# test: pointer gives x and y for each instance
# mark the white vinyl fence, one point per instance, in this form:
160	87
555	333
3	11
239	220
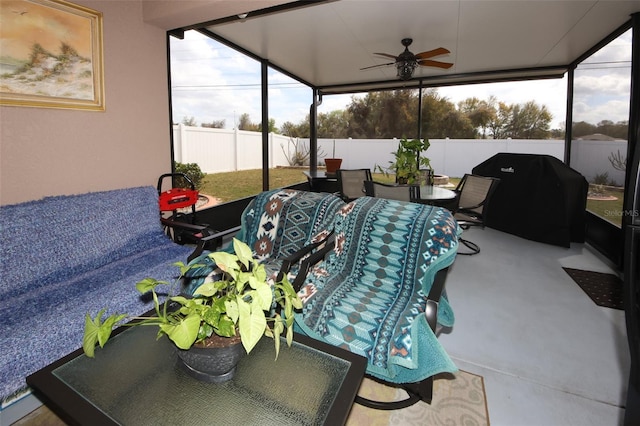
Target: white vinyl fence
221	150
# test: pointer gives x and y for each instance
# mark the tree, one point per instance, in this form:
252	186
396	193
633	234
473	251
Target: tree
215	124
244	123
520	121
334	124
455	125
617	130
499	123
582	128
529	121
385	114
272	126
479	112
393	114
360	117
189	121
441	119
300	130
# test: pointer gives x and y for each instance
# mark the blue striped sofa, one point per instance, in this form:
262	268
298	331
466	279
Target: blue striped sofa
63	257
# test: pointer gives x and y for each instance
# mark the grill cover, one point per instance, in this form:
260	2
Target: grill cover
539	198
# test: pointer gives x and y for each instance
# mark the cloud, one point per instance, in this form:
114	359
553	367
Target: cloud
612	110
610	84
213	82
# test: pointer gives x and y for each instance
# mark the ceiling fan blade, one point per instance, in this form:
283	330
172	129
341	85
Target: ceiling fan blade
376	66
432	53
386	55
438	64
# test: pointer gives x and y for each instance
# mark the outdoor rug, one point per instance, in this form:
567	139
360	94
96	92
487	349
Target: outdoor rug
458	399
604	289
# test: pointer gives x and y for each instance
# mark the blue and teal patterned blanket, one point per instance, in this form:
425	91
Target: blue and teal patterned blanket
276	224
369	295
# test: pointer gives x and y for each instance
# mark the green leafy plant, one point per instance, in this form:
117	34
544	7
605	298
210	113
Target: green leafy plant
239	303
408	161
193	172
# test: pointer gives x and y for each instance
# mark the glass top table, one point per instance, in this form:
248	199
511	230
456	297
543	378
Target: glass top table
436	193
136	380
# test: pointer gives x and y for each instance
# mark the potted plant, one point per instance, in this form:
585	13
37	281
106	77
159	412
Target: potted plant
238	307
408	162
333	163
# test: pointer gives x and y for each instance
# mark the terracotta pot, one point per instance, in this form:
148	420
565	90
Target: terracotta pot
332	164
215	363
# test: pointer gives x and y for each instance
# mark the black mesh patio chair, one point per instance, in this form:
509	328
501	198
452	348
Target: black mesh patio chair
351	182
471	205
392	191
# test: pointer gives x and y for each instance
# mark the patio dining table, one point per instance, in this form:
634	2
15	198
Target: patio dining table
436	195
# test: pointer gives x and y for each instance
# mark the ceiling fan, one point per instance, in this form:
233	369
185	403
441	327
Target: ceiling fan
407	62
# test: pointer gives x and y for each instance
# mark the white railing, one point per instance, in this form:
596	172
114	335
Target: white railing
221	150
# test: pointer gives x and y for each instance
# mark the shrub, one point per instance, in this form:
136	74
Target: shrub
193	171
601	178
300	155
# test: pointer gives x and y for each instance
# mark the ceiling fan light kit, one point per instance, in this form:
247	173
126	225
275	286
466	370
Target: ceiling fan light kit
406	69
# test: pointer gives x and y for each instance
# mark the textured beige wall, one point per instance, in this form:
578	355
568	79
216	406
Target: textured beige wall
53	151
170	14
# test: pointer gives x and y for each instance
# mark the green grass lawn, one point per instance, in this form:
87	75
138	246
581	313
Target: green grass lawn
233	185
610	210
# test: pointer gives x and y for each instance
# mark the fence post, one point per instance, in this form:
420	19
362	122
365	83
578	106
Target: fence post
236	139
272	152
179	142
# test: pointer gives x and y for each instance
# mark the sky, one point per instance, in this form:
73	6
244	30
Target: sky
212	82
23	24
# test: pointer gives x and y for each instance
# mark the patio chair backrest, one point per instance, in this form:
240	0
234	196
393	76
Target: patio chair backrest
351	182
474	193
392	191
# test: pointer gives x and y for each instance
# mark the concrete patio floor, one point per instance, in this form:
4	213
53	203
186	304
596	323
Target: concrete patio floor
548	354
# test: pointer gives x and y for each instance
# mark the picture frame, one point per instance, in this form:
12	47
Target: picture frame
52	55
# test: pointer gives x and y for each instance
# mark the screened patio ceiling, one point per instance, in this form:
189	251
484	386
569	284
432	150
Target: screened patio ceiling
326	43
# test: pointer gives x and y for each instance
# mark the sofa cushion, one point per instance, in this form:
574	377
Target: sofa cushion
116	239
48	241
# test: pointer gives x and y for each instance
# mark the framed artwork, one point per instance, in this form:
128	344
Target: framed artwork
51	55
